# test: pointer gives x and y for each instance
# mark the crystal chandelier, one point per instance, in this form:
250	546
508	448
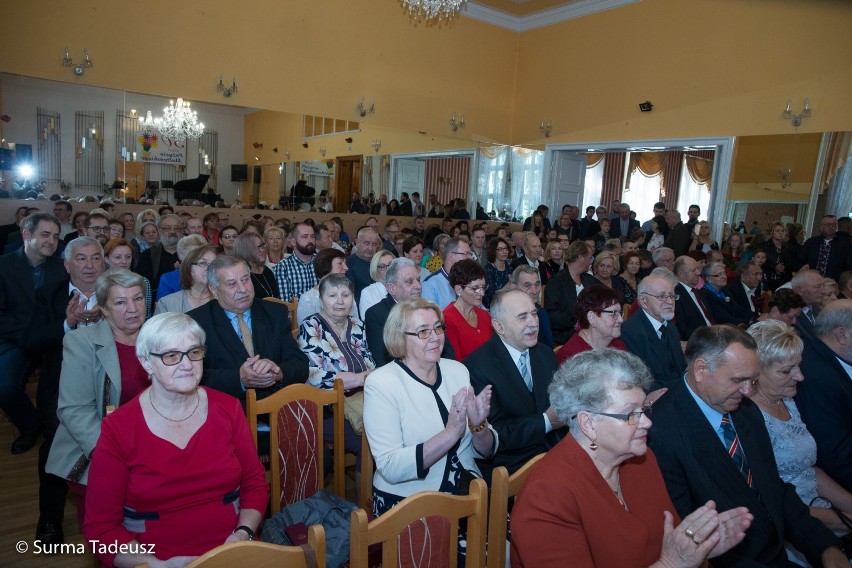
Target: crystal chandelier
179	122
148	124
434	9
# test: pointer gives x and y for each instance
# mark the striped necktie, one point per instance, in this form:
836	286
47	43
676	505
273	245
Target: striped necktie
735	450
524	368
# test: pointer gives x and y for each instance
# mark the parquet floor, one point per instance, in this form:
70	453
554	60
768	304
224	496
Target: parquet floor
19	510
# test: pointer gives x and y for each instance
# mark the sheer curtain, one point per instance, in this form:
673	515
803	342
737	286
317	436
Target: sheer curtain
593	186
491	191
642	193
692	192
527	169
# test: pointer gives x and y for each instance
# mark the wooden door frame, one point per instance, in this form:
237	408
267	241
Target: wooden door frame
343	199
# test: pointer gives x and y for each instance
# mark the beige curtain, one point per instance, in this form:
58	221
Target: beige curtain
593	160
491	152
700	168
649	163
838	150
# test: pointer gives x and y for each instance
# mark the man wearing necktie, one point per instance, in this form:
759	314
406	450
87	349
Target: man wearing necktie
249	342
711	443
809	284
519	370
690	312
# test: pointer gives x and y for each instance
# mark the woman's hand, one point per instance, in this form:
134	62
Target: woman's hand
733	524
688	545
351	380
478	407
457	420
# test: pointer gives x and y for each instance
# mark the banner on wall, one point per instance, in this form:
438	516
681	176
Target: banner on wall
156	149
318	168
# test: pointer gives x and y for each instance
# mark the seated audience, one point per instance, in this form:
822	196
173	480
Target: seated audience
276	248
528	280
152	477
499	267
437	287
329	261
227	236
656	237
194	291
560	295
598	498
518	369
118	253
605	269
599	318
250	247
630	275
424	423
714	297
336	348
376	291
780	352
295	274
412	248
690	311
468	325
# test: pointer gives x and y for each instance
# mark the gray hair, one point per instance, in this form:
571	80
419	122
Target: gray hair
659	272
802	278
116	277
392	274
220	262
838	313
452	246
658	252
711	342
72	247
164	328
522	269
162	219
776	341
584	381
335	280
188	244
711	267
501	297
436	242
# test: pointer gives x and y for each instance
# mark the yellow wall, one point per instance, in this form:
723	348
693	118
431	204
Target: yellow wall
711	67
759	192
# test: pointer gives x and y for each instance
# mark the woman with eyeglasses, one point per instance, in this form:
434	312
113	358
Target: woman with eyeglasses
425	425
375	292
100	372
227	237
154	480
499	268
250	247
468	325
598	497
599	320
715	298
194	291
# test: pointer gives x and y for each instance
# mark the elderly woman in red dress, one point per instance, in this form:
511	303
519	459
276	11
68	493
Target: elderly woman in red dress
468	325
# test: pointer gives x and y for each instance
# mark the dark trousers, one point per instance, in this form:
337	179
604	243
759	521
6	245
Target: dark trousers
15	368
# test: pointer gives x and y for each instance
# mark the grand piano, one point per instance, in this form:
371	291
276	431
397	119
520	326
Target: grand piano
194	189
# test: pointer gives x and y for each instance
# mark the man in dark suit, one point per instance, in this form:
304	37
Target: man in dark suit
715	297
711	443
622	227
11	228
827	253
690	312
519	370
380	207
809	285
21	273
745	300
650	333
680	235
588	226
532	255
60	307
162	256
824	398
404	205
249	343
560	295
402	281
433	212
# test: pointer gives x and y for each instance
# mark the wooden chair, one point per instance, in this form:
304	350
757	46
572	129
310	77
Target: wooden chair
264	555
292	306
296	440
365	497
625	312
503	487
424	527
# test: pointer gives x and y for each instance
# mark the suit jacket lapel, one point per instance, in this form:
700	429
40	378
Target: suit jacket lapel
227	335
540	380
107	355
511	374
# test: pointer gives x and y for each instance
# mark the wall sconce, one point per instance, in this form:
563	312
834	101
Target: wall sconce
79	68
454	126
364	110
546	128
786	178
227	91
305	144
257	145
348	140
287	155
322	151
275	149
377	144
796	119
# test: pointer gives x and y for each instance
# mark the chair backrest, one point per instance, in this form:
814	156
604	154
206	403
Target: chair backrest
424	527
503	487
292	306
264	555
296	440
365	497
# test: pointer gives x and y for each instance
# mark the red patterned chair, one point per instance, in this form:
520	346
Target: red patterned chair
422	530
296	432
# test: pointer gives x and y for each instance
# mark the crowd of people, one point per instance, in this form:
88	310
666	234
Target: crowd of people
461	347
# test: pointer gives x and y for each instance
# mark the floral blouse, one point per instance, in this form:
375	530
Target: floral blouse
329	354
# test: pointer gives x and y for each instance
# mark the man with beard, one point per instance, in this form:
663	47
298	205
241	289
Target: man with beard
162	256
295	274
97	227
650	334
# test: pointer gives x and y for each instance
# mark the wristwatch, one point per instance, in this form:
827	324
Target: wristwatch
247	530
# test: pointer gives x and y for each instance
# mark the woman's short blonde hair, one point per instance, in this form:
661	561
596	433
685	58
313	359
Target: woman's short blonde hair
603	256
398	322
777	342
374	264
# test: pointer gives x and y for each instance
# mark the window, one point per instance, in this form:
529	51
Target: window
313	126
691	193
644	192
593	186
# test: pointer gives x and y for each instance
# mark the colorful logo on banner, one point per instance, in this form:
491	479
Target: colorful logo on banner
318	168
156	149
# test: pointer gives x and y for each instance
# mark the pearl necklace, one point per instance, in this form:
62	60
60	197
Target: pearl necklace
197	401
766	400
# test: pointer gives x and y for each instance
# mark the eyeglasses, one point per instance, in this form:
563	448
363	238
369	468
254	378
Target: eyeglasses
382	266
426	333
717	275
476	289
501	249
172	358
466	254
614	313
229	237
261	246
632	418
99	230
663	297
201	263
171	228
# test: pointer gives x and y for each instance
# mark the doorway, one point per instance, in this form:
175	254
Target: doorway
348	181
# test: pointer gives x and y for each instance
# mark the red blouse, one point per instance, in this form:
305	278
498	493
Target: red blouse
577	344
465	338
134	378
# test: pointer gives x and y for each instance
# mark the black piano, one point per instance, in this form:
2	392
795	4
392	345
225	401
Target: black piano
300	193
194	189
